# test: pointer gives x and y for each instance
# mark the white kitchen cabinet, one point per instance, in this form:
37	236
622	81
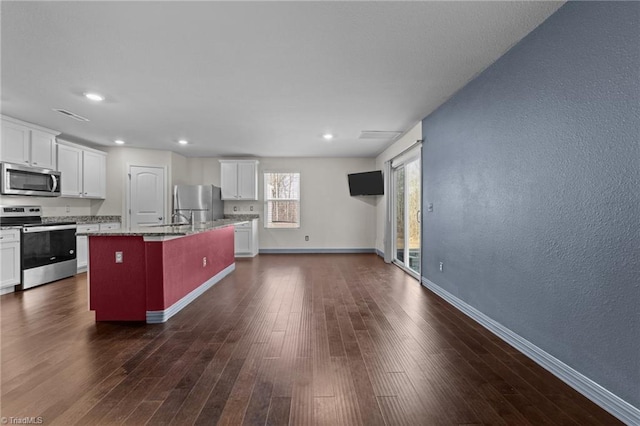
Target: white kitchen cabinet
94	174
43	149
28	144
70	164
82	245
82	241
9	260
239	179
109	226
246	239
84	171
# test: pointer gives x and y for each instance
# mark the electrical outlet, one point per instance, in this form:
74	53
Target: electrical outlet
119	257
204	261
430	207
235	208
441	266
68	208
306	238
251	208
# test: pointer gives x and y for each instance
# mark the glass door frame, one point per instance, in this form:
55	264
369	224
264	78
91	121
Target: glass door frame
401	164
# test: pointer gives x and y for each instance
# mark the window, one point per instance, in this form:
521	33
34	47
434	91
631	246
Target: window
282	200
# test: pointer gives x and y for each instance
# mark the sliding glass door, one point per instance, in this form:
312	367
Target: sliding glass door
406	195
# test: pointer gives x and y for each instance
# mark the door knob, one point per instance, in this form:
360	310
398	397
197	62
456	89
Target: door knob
159	218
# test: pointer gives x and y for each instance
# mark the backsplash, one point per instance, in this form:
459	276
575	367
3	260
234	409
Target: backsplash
247	216
55	206
242	207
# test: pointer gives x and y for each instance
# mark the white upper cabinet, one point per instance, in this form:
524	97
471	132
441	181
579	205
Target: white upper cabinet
94	174
43	149
239	179
84	171
70	164
15	143
229	180
28	144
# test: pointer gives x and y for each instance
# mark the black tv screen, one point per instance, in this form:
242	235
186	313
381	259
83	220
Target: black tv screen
367	183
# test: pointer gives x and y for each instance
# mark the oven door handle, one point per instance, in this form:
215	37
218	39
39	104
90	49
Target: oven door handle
33	229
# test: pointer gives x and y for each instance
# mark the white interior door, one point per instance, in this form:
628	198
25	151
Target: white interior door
146	195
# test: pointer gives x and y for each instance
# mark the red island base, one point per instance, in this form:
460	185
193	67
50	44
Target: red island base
158	276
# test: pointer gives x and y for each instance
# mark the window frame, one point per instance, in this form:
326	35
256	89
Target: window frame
266	199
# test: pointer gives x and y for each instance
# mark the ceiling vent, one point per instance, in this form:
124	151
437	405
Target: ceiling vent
71	115
379	134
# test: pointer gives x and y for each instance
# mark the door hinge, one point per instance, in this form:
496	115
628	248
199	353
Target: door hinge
129	211
129	174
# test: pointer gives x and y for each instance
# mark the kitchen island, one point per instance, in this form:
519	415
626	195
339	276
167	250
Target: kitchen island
150	273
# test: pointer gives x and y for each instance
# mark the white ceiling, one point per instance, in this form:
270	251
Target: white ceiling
248	78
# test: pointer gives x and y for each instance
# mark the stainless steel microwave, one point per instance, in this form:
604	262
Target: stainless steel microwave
25	180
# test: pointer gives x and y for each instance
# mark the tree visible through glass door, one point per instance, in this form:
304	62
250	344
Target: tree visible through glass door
400	216
406	194
412	252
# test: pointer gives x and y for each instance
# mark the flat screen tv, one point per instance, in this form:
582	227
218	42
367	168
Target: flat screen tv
367	183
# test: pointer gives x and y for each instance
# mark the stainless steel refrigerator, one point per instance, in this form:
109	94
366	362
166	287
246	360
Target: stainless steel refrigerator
203	200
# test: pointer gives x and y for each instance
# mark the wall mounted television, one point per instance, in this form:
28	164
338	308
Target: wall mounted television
367	183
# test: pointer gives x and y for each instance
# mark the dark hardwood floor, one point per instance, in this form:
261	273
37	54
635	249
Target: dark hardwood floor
285	339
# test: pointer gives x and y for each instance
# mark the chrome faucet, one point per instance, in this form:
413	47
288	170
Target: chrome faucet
189	219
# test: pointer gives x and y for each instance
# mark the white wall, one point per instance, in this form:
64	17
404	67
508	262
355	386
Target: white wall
204	171
329	215
400	145
118	162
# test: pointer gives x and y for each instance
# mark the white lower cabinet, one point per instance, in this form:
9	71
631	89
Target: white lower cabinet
82	245
82	241
10	260
109	226
246	239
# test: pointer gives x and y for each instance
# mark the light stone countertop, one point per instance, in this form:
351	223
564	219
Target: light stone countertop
165	231
81	220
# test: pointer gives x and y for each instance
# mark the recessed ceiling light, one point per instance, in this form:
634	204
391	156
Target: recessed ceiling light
119	141
94	97
183	142
327	136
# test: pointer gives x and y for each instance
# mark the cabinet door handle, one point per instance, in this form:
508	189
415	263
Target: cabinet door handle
35	162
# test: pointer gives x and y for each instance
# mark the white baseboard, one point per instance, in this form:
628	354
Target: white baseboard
316	250
7	290
587	387
156	317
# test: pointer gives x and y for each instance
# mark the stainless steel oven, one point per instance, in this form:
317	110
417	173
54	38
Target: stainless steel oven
47	250
22	180
48	253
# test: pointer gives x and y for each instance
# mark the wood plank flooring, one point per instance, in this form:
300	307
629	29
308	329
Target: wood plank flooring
284	340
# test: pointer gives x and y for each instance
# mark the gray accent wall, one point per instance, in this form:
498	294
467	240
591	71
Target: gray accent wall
533	169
